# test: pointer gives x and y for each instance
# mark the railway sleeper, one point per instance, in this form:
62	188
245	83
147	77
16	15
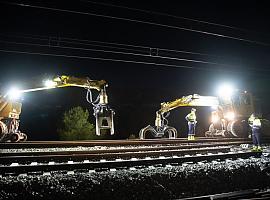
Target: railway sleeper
21	169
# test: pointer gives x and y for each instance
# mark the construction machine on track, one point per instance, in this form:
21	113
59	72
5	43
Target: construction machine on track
229	116
10	109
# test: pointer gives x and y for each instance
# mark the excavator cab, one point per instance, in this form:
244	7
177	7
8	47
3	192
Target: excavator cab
234	112
9	121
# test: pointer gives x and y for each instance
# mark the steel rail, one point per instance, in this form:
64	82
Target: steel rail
109	156
114	164
34	144
118	150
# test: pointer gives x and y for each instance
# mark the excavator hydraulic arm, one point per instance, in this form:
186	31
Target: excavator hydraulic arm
10	110
190	100
161	123
69	81
102	112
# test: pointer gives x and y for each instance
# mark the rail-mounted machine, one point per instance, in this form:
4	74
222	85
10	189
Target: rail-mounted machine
10	110
228	119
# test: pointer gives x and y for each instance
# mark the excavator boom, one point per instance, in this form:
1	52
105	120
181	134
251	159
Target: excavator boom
190	100
71	81
161	123
10	110
228	117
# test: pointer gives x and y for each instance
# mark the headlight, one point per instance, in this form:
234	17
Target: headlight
14	93
230	116
226	91
215	119
50	83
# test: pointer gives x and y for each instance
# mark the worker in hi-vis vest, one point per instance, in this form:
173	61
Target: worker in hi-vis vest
191	118
256	125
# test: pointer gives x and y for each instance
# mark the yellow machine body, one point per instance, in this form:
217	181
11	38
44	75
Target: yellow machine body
10	110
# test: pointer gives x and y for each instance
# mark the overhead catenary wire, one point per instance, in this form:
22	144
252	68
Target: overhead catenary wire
122	46
139	21
128	53
123	60
97	58
116	52
124	53
82	41
168	15
70	41
146	55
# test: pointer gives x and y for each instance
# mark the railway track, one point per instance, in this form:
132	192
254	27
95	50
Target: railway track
52	144
109	154
133	156
107	149
122	156
86	165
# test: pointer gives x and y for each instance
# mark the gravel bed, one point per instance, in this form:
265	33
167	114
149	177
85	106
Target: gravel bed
156	183
82	148
79	148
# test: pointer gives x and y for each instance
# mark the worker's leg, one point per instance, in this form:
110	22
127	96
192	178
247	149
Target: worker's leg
256	136
193	131
254	139
190	130
258	139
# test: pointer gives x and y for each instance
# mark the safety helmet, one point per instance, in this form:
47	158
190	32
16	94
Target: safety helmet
193	109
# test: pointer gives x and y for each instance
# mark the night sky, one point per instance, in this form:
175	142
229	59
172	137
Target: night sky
226	41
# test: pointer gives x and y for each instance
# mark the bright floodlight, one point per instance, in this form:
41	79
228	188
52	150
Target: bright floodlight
215	107
215	119
230	116
226	91
14	93
50	83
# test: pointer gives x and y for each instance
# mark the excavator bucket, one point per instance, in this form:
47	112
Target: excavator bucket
104	119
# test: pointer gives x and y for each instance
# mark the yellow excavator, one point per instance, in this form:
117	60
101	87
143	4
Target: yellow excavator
10	109
229	116
161	128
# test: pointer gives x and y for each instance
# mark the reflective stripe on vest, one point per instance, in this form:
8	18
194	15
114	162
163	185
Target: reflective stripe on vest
257	122
251	119
191	117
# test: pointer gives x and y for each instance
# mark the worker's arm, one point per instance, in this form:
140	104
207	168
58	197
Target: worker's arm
187	117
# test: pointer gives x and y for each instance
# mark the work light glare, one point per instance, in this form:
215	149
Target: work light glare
225	91
50	83
14	93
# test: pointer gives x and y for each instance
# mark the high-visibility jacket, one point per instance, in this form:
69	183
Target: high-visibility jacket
191	117
251	120
256	123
